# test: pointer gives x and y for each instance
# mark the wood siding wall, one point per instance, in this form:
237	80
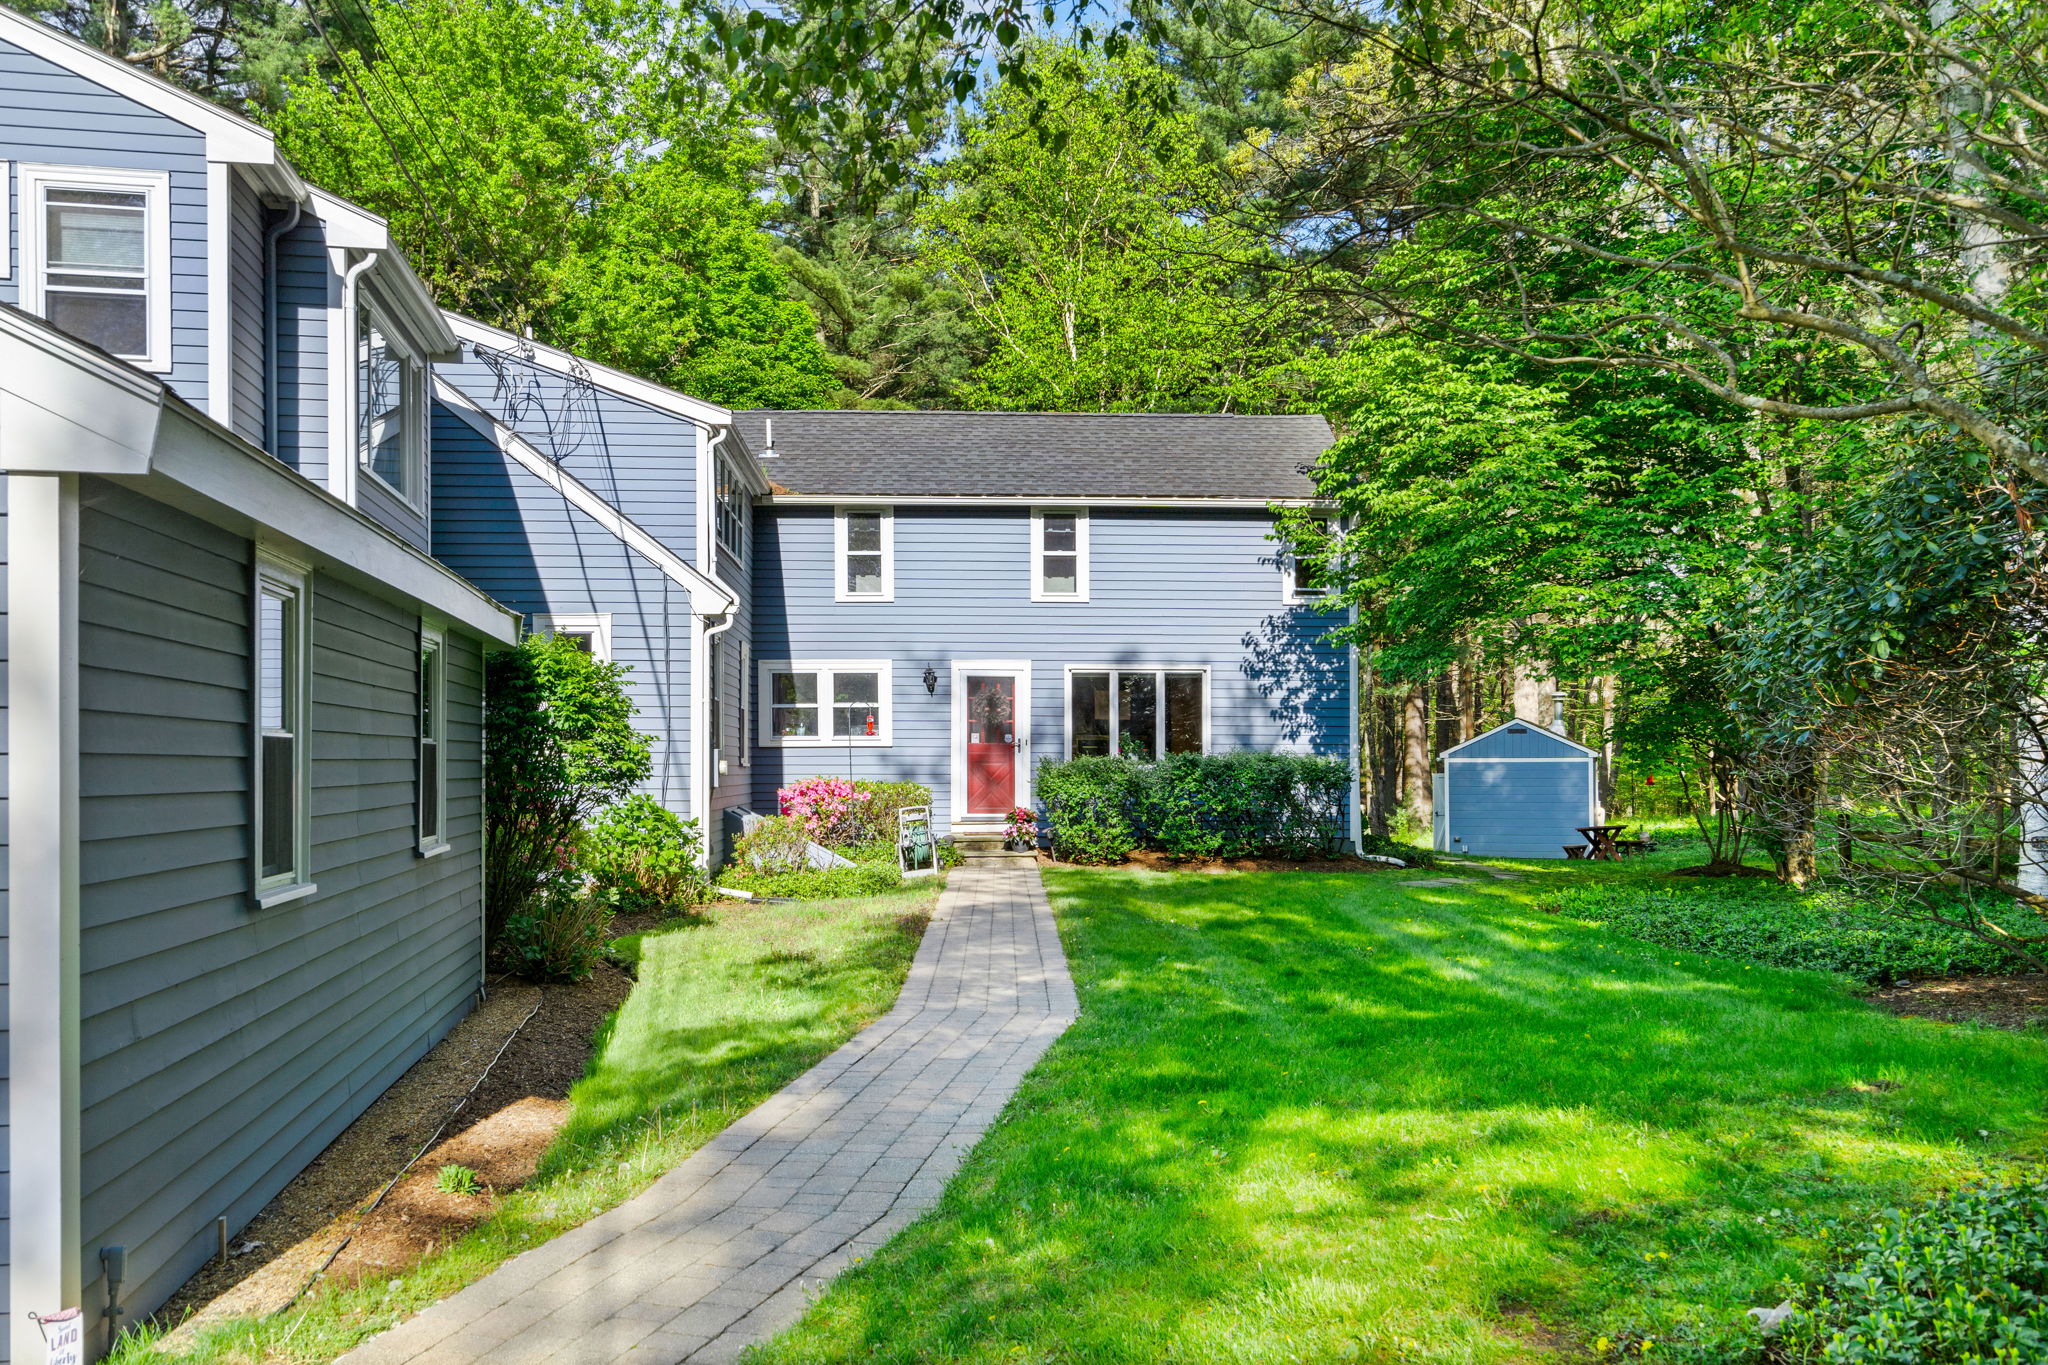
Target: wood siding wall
1166	588
523	544
53	115
306	290
224	1046
247	333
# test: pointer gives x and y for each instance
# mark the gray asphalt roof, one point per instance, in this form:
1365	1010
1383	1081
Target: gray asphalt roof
1035	454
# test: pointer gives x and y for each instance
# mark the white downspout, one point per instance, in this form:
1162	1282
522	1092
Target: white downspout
273	434
702	778
341	480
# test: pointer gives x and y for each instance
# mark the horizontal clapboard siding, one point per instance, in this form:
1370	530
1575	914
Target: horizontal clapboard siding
247	297
524	545
734	788
389	510
639	459
53	115
306	290
223	1046
1517	810
1167	587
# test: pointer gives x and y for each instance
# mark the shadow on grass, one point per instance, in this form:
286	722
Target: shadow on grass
1326	1117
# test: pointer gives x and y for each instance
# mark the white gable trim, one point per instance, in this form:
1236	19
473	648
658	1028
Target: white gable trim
1583	751
229	136
708	597
628	385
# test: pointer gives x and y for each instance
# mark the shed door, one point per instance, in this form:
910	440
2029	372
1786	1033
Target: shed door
1518	810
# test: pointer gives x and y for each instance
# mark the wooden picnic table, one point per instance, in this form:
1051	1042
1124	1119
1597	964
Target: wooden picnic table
1600	840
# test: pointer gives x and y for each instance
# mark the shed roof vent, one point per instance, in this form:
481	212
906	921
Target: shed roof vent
1518	729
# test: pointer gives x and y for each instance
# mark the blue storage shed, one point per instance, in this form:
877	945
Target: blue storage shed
1517	791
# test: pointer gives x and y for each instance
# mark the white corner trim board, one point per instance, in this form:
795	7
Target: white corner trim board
708	597
42	1004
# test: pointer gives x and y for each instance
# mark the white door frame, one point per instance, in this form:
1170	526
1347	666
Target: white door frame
1020	669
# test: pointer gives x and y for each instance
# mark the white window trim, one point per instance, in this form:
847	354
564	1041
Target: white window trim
435	641
6	203
414	382
36	176
727	474
1081	519
1290	592
297	883
765	671
596	624
1159	725
840	592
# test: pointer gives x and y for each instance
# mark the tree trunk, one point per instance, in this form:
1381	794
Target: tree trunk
1415	788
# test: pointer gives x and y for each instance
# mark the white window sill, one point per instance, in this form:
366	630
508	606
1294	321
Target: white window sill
850	600
436	850
284	895
864	742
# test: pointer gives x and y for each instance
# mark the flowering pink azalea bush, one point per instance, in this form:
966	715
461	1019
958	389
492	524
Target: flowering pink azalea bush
829	807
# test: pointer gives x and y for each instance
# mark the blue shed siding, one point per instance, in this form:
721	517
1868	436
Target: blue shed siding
1167	587
53	115
306	291
1517	810
523	544
639	459
248	299
222	1047
1533	742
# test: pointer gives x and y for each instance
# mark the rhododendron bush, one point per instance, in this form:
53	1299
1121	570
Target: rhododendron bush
841	812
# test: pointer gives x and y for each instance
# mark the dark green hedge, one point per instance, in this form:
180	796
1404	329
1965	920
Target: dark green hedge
1099	810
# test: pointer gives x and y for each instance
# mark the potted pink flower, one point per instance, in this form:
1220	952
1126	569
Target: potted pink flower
1021	834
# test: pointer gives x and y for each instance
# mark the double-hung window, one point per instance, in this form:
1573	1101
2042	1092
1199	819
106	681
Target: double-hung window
390	406
589	631
1059	555
864	544
733	507
282	834
1307	564
825	703
433	779
96	248
1137	712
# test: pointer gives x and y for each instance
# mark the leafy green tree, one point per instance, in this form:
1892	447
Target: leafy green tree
240	52
1090	237
567	169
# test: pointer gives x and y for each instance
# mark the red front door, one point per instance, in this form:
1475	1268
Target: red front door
991	744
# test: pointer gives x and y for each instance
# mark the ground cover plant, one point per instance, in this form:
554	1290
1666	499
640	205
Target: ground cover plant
1764	922
1327	1117
730	1006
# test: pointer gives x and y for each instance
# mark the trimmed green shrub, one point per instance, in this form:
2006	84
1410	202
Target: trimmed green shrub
1412	854
1782	927
645	855
560	935
1195	806
776	844
1963	1279
1091	807
823	883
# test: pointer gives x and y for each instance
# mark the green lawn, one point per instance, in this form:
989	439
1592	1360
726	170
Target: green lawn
730	1006
1328	1117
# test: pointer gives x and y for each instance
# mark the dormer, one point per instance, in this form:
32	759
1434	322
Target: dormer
172	234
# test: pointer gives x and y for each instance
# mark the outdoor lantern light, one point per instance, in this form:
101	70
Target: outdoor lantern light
931	681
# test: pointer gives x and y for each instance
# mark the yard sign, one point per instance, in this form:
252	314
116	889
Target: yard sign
63	1337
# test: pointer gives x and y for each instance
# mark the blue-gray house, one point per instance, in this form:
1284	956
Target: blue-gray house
243	721
267	508
1517	791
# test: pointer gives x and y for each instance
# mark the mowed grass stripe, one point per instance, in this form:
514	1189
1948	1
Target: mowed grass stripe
1317	1118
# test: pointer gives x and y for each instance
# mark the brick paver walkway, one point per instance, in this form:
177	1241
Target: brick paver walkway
730	1247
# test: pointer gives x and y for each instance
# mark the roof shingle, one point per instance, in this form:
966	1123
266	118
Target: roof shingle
883	454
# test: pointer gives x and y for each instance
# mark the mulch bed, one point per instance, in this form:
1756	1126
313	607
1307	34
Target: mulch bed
2010	1002
501	1132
